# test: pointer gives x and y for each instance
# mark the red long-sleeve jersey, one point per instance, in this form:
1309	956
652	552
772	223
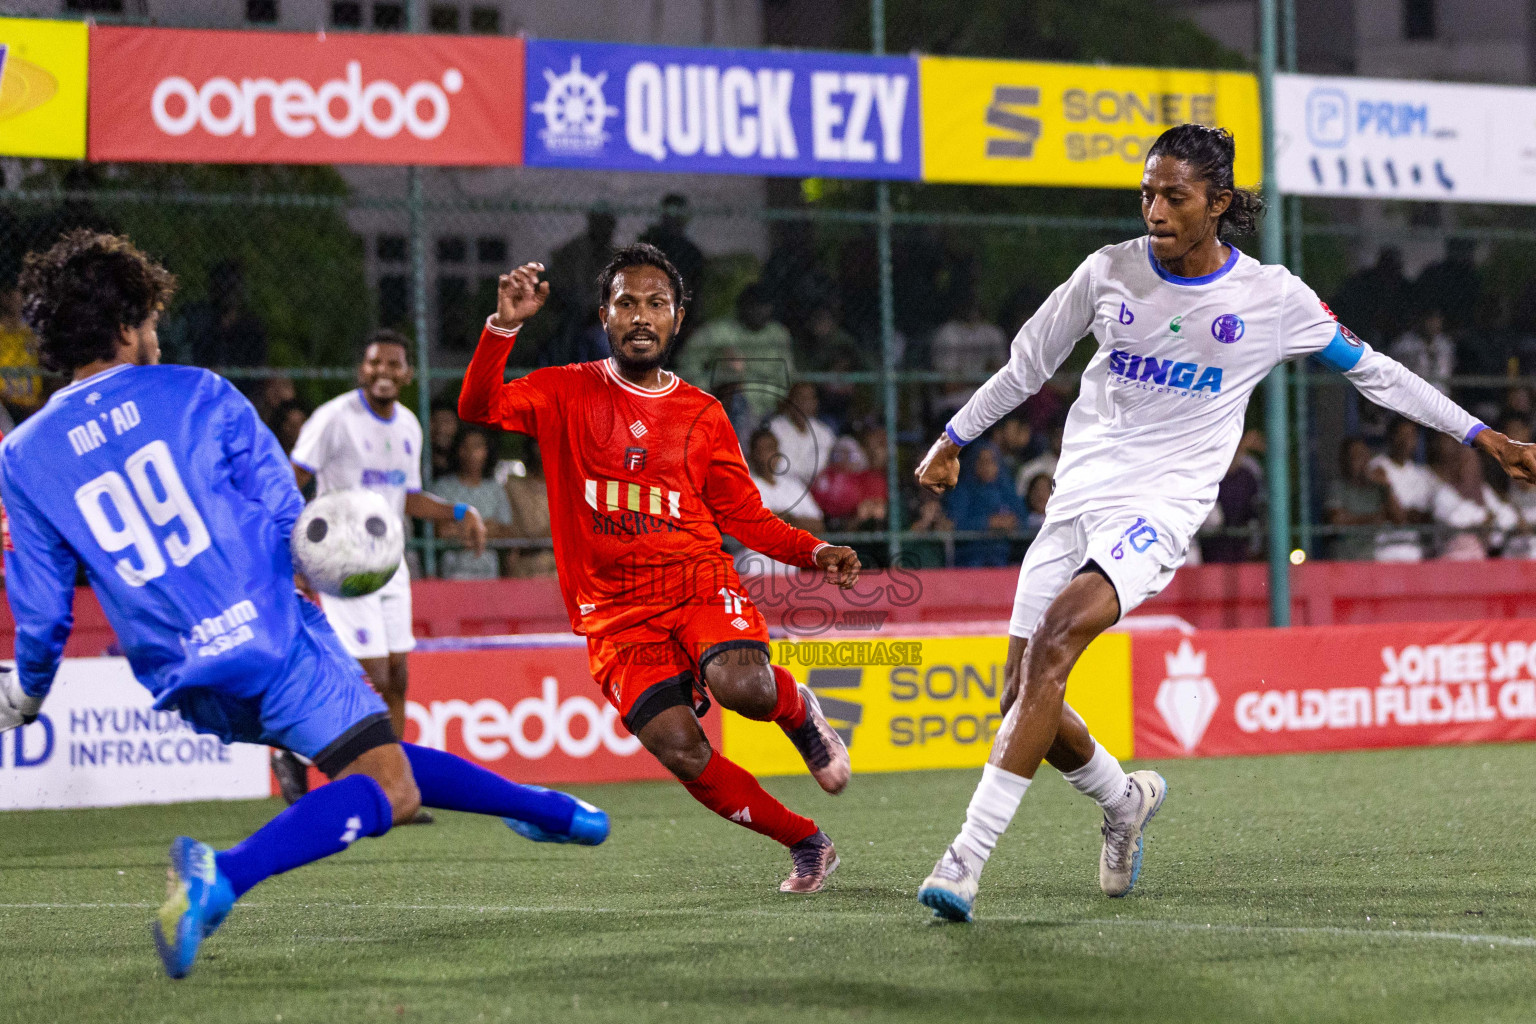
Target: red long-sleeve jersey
641	484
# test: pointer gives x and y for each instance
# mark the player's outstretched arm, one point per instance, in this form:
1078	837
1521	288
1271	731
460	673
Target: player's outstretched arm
1516	457
484	397
40	586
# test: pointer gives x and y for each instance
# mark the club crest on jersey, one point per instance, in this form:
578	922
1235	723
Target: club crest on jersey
1228	328
634	459
1166	376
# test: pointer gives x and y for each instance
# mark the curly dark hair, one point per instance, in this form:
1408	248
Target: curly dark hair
1211	151
81	292
642	254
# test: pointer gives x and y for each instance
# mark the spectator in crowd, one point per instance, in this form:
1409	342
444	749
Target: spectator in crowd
528	496
221	329
471	483
271	393
1427	350
1453	284
783	495
751	349
967	344
1037	493
1465	503
850	492
1360	497
442	435
21	389
1372	300
572	270
805	441
1413	492
927	517
286	421
826	347
670	235
1043	464
1015	442
1241	500
984	500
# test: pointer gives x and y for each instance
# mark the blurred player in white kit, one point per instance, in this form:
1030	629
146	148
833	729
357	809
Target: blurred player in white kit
367	438
1187	326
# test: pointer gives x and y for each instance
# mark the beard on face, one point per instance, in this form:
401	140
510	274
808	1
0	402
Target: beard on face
633	366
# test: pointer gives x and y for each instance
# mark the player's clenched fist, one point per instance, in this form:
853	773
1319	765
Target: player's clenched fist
940	468
519	295
841	564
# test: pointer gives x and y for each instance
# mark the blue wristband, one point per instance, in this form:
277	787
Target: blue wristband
460	510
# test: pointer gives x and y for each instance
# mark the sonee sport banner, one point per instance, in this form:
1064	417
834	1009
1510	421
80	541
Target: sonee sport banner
1018	123
1273	691
42	88
640	108
903	703
185	96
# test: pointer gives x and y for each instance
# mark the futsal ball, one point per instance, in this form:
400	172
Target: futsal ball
348	543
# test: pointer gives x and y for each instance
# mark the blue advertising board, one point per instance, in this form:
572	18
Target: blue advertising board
604	106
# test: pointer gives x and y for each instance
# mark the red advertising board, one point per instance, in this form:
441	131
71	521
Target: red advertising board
193	96
1259	691
532	714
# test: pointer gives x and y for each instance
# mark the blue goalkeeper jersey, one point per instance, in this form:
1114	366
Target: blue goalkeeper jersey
165	485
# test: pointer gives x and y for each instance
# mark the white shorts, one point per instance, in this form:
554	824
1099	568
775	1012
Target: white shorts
377	625
1136	548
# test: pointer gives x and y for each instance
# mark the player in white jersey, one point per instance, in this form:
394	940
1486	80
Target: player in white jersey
1186	326
367	438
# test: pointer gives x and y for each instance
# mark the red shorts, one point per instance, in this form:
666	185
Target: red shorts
659	663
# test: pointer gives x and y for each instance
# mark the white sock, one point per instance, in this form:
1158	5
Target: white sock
1104	781
992	807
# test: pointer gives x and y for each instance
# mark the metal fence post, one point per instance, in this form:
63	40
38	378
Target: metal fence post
416	201
887	325
1276	398
1294	261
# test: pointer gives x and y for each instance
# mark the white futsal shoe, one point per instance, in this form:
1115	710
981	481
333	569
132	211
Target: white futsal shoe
951	890
1120	860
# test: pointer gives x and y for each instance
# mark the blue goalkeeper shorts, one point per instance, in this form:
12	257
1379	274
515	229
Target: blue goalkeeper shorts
321	706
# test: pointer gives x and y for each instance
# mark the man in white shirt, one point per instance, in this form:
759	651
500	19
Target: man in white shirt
784	496
1412	485
1187	326
805	443
366	438
966	345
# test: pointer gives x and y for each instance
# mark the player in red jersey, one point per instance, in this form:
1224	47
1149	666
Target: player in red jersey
644	474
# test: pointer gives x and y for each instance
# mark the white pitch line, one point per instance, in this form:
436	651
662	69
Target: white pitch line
1155	924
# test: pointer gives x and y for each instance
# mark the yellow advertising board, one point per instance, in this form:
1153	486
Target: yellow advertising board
1025	123
42	88
911	703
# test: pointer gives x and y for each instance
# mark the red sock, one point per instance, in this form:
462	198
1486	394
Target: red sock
731	792
789	712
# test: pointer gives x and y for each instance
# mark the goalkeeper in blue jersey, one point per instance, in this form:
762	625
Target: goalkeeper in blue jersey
163	483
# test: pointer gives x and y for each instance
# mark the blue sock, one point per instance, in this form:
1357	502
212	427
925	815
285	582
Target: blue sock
453	784
320	824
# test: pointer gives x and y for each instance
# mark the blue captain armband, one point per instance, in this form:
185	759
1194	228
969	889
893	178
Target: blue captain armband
1343	352
950	432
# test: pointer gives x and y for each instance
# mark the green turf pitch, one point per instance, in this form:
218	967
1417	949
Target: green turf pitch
1393	886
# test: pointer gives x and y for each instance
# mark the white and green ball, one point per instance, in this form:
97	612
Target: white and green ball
348	543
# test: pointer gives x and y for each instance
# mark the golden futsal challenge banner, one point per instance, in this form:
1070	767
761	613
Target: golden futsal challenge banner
905	703
1023	123
42	88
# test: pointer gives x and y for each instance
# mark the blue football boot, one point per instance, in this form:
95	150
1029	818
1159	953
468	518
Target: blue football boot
589	826
197	899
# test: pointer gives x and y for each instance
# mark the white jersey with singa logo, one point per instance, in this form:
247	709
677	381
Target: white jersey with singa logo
346	444
1163	399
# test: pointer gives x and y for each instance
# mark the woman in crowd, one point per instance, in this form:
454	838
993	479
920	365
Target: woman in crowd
470	484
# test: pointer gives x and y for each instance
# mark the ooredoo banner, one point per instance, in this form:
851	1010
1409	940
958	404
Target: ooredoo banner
192	96
649	108
42	88
99	742
1255	691
903	703
532	714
